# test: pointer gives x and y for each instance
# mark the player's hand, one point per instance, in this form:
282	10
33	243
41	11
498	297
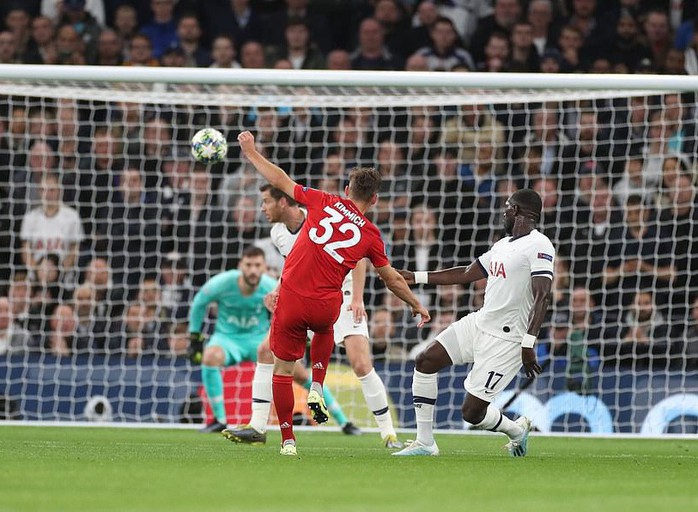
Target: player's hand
358	309
423	312
270	300
407	275
246	140
531	366
196	347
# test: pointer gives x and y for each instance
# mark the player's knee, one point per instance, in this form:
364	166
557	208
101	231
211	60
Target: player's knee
361	367
213	356
425	363
473	413
264	354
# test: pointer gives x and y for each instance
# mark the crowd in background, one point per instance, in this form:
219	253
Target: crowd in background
107	227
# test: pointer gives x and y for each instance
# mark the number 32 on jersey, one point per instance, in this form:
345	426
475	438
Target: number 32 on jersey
335	221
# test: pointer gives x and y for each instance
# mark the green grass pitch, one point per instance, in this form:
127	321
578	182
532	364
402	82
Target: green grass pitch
106	469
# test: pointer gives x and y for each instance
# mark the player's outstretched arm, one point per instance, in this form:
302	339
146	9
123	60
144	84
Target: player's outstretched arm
358	284
454	275
274	174
397	284
540	286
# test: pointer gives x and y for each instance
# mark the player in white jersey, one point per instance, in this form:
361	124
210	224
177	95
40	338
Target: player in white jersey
351	328
499	337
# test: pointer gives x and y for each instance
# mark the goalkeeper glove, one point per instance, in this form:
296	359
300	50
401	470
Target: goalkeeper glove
196	347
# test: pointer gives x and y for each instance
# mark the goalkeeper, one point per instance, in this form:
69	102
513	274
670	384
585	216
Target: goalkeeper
242	324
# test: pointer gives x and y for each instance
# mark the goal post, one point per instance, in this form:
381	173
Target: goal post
97	303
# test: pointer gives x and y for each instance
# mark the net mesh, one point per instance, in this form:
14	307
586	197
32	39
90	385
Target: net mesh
98	293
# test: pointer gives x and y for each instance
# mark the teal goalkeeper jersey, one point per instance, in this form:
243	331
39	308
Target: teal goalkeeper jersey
241	318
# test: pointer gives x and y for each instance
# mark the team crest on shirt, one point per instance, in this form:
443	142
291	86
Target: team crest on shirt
497	269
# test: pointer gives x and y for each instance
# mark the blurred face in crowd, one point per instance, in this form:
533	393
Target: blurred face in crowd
47	272
252	55
50	191
683	193
109	45
672	108
200	183
656	27
416	63
506	12
423	223
244	213
42	30
443	35
5	318
63	320
370	36
540	14
297	36
141	50
83	297
570	39
8	47
626	27
98	273
297	4
19	296
389	155
633	168
382	327
67	41
135	318
675	62
41	157
547	190
188	29
162	9
643	306
149	294
587	126
17	21
132	185
387	12
497	48
158	137
427	13
126	20
252	269
333	166
522	36
338	60
636	215
580	304
671	169
223	51
584	8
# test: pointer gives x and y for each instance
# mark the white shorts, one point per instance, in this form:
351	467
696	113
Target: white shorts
345	325
495	361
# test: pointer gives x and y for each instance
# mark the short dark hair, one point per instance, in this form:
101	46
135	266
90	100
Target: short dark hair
364	183
529	201
252	251
277	194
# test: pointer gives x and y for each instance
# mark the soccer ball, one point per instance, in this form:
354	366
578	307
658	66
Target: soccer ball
209	146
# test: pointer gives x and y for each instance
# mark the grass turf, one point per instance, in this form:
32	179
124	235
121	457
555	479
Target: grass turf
81	469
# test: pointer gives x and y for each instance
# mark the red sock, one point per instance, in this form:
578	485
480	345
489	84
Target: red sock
282	390
320	351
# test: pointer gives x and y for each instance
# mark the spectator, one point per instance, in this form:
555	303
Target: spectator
61	339
473	126
70	48
108	297
189	35
418	36
338	60
497	53
524	55
674	62
394	193
91	330
634	182
571	42
627	48
551	61
298	48
8	48
372	52
592	28
85	25
546	132
162	30
445	52
25	186
200	230
298	9
416	62
243	231
13	338
556	220
54	9
235	18
384	336
110	49
506	13
176	288
140	332
391	15
135	221
19	296
141	51
42	46
658	33
223	53
544	32
52	227
126	26
17	22
252	55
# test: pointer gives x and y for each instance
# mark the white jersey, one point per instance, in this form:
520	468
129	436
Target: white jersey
283	240
509	266
51	234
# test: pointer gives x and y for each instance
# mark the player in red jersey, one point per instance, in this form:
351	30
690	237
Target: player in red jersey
335	236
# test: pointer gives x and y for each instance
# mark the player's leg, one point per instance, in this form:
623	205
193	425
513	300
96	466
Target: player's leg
359	355
217	354
302	377
282	390
254	432
497	364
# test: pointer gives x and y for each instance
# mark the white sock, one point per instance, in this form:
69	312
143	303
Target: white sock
424	392
377	401
261	396
495	421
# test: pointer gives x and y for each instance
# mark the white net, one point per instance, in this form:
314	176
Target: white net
97	290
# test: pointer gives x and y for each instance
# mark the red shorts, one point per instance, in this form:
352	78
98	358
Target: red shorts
294	316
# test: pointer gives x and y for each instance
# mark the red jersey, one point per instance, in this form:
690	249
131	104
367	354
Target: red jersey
335	236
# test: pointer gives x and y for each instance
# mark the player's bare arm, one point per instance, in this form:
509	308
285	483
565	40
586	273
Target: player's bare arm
357	291
397	284
455	275
541	300
274	174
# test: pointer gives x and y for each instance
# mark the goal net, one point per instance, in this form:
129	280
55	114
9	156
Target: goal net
108	227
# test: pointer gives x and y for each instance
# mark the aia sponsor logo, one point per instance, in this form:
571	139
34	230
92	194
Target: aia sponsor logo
497	269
